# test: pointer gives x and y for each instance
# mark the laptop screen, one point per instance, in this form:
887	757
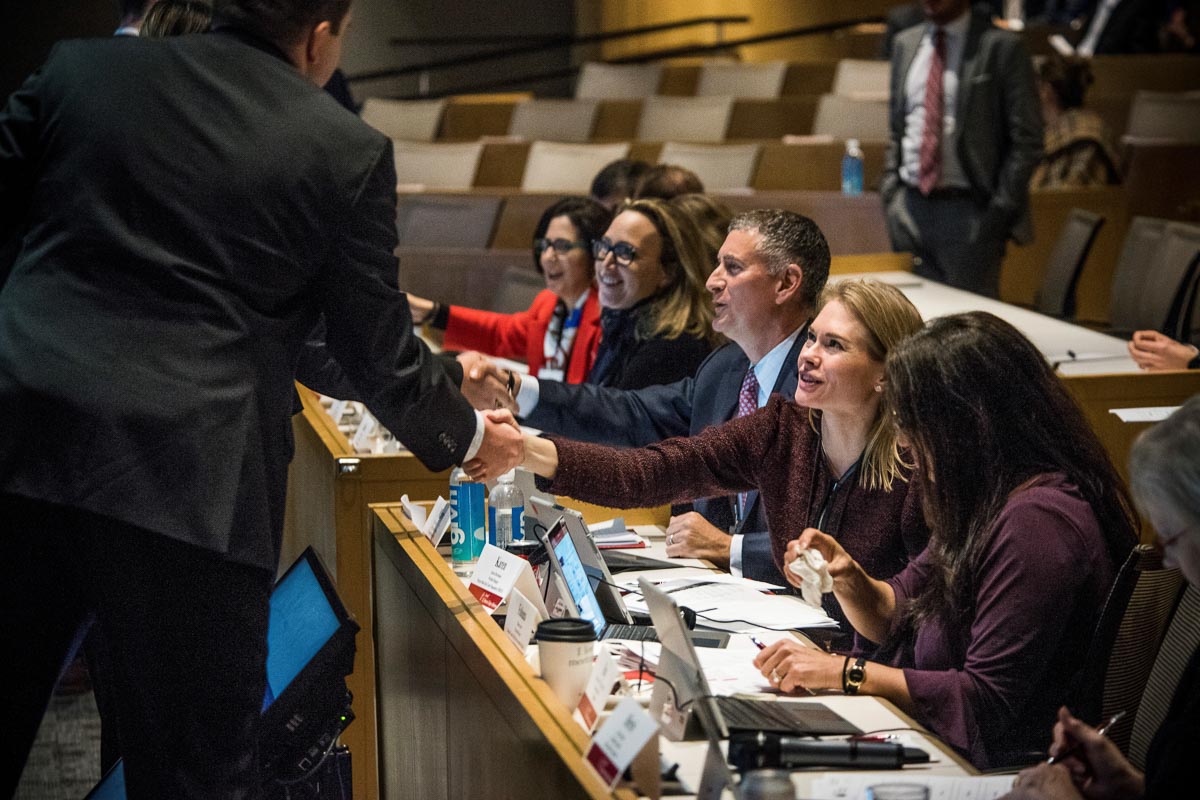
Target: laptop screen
301	622
576	577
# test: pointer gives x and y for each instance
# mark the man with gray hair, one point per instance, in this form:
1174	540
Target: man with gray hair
769	272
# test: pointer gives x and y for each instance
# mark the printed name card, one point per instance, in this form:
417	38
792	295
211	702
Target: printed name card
605	674
433	524
522	619
619	740
365	433
497	573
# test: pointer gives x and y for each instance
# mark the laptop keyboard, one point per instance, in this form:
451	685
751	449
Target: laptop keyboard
742	713
638	633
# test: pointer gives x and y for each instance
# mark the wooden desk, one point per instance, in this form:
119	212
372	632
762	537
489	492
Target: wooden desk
461	714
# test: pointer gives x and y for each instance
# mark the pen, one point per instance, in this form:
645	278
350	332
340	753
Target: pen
762	646
1073	749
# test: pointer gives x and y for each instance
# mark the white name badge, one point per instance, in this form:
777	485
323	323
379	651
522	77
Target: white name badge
619	740
605	675
497	573
522	619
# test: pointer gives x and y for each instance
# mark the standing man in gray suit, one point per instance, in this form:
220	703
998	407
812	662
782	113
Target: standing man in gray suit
965	133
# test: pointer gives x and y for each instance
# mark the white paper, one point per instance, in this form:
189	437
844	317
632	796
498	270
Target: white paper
676	577
1147	414
620	739
497	573
521	620
854	785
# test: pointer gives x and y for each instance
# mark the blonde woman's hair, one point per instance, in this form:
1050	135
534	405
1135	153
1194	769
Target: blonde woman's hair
683	308
889	318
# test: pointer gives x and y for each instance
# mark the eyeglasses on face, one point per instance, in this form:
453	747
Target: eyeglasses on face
622	252
559	246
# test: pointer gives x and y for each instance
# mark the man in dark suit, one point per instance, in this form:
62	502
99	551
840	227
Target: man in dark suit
965	135
185	209
770	271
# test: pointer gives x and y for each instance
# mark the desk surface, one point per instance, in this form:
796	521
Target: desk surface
1094	352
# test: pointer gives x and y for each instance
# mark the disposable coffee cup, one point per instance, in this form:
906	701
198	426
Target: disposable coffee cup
565	649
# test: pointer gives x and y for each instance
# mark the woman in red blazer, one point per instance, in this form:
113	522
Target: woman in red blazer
559	333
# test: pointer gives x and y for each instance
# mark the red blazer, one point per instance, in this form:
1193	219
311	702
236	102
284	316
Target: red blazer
523	335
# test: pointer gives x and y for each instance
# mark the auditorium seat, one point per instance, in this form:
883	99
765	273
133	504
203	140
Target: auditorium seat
849	118
600	81
1161	179
861	79
413	120
437	166
463	276
555	167
1057	295
690	119
1164	116
762	81
721	167
446	220
554	120
1138	252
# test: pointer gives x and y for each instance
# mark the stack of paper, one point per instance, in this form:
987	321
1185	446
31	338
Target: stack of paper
613	534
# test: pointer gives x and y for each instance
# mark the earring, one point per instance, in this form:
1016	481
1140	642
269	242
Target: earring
878	388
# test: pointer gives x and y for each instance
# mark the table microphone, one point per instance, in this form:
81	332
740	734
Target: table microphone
759	749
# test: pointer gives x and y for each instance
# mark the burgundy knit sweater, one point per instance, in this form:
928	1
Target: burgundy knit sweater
774	450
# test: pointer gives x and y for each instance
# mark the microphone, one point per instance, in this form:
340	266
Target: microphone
760	749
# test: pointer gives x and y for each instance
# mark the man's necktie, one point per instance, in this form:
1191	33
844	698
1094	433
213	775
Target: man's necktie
930	167
747	404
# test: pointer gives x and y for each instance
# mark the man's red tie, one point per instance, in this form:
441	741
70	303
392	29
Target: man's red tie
930	169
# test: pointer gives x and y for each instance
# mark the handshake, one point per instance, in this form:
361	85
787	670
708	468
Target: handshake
486	386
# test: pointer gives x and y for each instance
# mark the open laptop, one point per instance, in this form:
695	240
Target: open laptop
582	600
680	666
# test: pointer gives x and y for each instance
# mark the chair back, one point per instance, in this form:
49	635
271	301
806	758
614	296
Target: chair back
1138	253
554	120
1121	653
1162	306
1057	295
861	79
720	167
446	221
437	166
569	168
1169	116
759	81
517	289
847	118
1180	642
600	81
412	120
689	119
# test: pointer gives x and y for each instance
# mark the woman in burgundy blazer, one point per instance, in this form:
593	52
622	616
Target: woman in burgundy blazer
560	332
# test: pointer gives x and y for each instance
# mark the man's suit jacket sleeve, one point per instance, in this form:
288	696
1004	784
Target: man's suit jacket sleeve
1025	132
370	330
890	181
616	417
758	563
19	148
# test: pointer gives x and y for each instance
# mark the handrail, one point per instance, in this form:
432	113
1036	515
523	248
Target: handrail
540	77
539	45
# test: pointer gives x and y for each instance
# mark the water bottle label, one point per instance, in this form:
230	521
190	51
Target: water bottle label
467	530
504	526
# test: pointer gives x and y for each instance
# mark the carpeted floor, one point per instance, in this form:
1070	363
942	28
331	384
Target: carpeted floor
65	761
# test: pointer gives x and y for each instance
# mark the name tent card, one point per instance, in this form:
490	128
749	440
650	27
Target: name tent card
497	573
522	619
605	674
619	740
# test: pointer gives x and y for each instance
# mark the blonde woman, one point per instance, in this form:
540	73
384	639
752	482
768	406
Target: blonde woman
830	460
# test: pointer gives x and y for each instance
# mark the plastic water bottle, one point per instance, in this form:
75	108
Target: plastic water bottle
852	169
505	506
467	534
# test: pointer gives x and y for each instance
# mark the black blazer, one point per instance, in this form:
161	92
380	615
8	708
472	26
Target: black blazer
190	205
638	418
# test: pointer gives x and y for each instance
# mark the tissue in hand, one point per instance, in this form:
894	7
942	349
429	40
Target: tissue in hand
813	572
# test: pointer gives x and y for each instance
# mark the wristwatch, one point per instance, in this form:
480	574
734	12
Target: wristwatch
853	675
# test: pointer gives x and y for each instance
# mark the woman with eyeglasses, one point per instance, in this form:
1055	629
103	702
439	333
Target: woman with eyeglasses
560	332
651	265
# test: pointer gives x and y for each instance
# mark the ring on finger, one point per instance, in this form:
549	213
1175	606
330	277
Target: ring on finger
671	539
774	676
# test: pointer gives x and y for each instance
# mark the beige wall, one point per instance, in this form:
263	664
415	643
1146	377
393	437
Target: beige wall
766	16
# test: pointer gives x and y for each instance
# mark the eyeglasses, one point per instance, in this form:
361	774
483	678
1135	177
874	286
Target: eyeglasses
559	246
622	252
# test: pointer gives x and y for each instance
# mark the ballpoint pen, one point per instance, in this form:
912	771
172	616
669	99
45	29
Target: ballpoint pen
1075	748
761	646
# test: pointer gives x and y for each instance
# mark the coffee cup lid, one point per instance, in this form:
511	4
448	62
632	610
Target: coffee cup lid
567	629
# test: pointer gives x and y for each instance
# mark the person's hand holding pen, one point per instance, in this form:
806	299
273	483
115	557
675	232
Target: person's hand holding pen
791	666
1094	765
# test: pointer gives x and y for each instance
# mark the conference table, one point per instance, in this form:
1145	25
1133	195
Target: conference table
1074	349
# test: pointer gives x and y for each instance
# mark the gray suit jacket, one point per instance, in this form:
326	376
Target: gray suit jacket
644	416
187	208
999	134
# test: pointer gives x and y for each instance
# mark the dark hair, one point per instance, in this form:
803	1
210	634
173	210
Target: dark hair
176	18
789	238
589	218
285	22
617	180
985	415
132	9
665	181
1068	77
711	218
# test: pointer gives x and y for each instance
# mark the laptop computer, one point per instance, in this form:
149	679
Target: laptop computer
581	583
